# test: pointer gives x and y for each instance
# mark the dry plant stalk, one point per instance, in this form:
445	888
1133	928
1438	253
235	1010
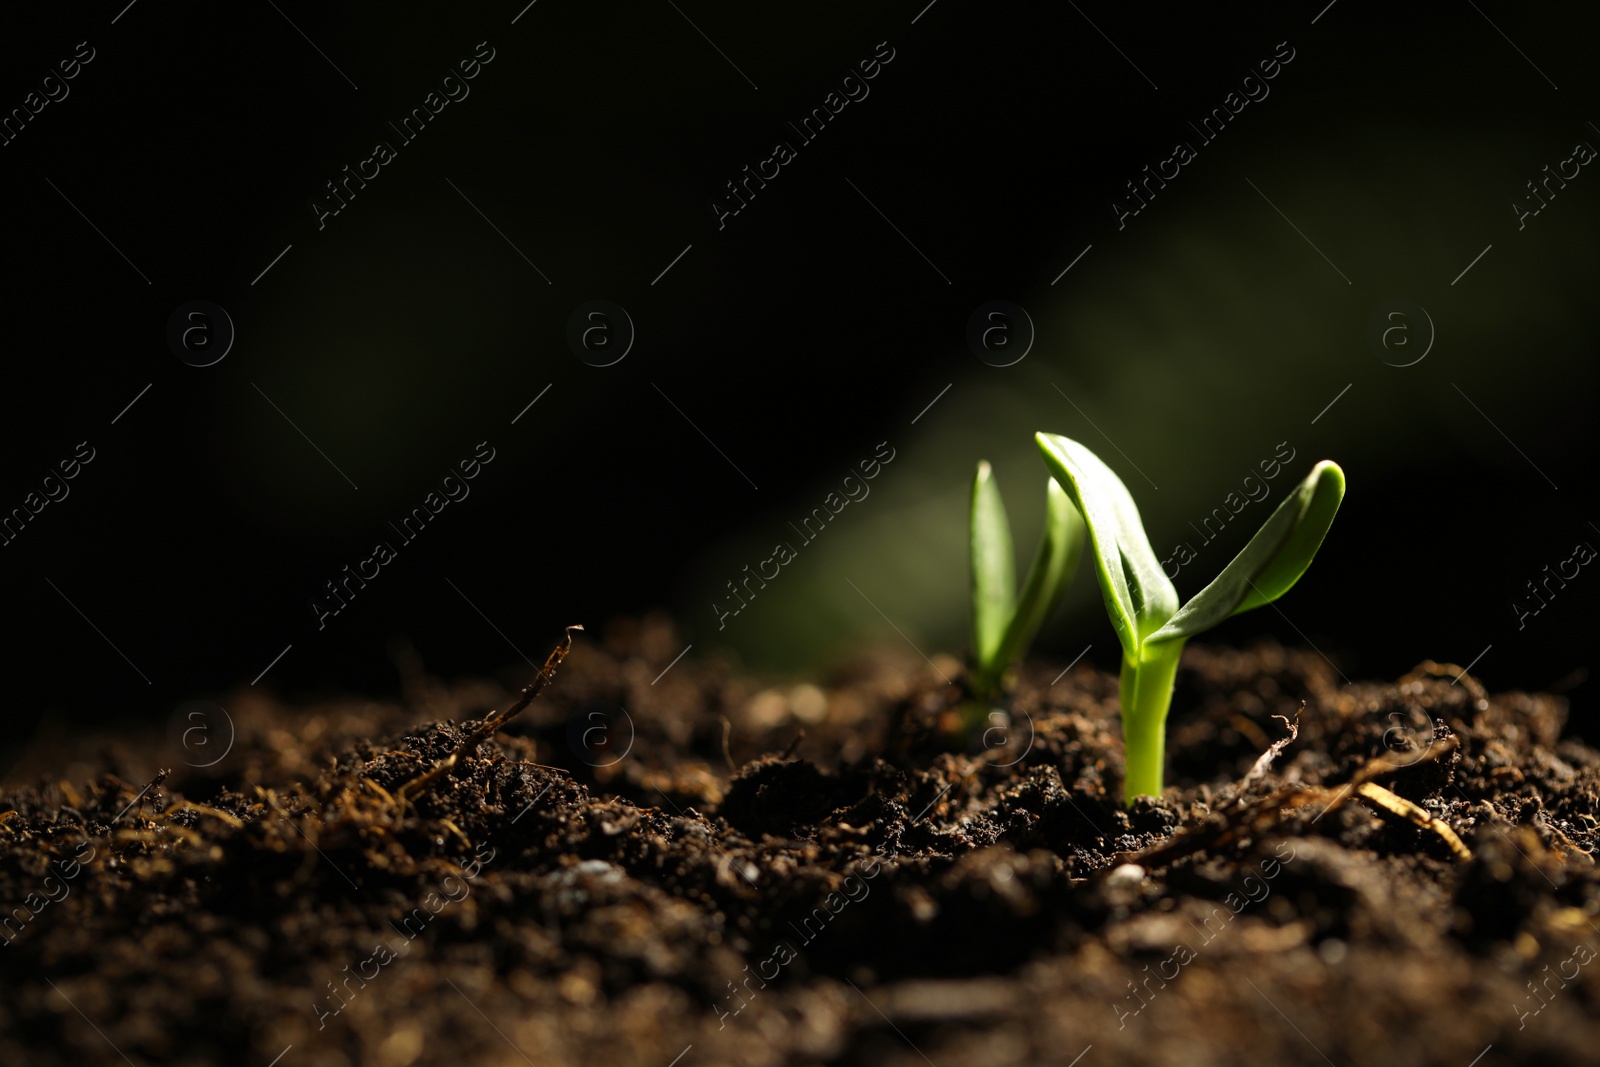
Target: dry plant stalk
495	721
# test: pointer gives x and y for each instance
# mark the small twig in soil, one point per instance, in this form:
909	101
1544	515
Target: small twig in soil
161	776
380	790
1562	838
1264	761
1405	809
453	828
189	805
727	730
1430	669
501	761
546	675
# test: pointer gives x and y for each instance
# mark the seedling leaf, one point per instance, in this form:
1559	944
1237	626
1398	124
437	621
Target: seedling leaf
993	567
1053	568
1271	563
1143	605
1139	597
1327	494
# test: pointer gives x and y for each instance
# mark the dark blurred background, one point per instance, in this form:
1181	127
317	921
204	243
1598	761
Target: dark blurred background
774	353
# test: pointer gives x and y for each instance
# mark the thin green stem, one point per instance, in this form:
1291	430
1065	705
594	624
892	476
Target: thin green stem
1146	693
987	682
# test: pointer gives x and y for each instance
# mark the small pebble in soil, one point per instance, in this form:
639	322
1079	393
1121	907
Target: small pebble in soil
808	703
1130	874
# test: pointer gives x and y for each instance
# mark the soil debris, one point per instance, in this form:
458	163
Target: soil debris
1406	878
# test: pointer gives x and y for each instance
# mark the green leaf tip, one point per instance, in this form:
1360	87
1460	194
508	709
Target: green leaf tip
993	566
1005	621
1272	562
1139	597
1054	566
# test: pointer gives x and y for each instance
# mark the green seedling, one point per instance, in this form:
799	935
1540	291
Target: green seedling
1005	621
1143	604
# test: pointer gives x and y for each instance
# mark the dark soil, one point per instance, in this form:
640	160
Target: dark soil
726	873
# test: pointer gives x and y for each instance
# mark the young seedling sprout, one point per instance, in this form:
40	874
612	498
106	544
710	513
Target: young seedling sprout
1004	621
1143	604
